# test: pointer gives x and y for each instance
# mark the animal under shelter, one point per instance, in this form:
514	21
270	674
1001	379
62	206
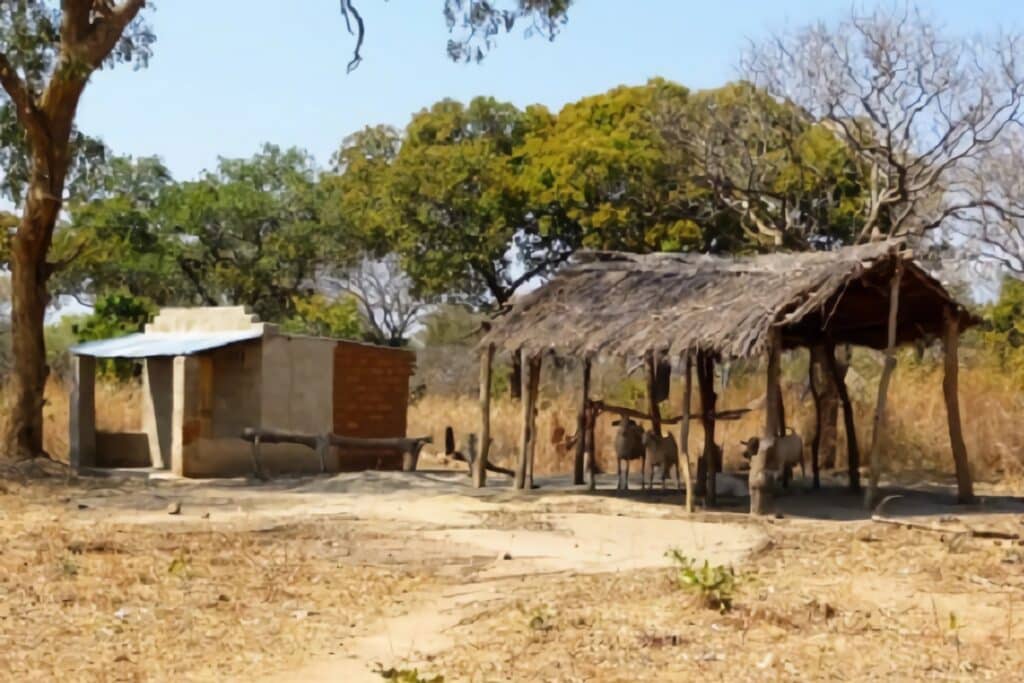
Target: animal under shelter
209	374
697	310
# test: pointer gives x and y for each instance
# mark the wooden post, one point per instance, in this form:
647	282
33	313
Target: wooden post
581	426
852	451
480	464
531	381
878	424
684	431
706	383
950	391
760	486
651	361
812	381
590	454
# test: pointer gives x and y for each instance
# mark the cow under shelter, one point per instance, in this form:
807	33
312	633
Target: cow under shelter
697	310
213	377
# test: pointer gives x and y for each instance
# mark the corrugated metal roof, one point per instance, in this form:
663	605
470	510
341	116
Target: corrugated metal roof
163	344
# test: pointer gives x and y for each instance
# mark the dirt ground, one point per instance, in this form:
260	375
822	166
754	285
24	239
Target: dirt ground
329	578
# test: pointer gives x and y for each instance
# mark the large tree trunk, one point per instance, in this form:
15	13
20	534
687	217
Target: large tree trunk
29	273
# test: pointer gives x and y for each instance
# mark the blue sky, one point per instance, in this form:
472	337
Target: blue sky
228	75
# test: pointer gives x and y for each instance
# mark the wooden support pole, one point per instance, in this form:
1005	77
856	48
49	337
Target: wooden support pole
651	361
590	454
684	431
760	484
878	424
812	382
706	383
852	451
950	391
480	464
581	426
531	381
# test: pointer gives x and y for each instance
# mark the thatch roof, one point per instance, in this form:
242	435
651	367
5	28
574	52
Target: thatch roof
620	304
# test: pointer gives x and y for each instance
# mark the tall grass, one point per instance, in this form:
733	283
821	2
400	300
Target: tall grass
916	440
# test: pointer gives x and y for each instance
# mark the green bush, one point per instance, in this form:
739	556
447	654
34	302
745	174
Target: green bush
715	586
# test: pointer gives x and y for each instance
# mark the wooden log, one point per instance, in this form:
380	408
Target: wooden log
760	485
950	392
531	380
684	431
812	382
581	426
706	384
852	452
651	361
311	440
878	424
602	407
877	516
480	464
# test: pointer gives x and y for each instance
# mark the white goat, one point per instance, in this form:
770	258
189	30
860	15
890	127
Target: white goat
629	445
783	454
661	452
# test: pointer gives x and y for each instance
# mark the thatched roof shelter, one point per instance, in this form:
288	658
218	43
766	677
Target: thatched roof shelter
620	304
701	309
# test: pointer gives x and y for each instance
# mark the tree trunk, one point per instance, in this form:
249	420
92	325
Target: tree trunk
760	486
684	431
874	460
706	383
590	454
581	427
29	299
480	463
852	451
950	391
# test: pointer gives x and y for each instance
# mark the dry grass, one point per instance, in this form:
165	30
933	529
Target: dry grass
84	600
821	603
918	439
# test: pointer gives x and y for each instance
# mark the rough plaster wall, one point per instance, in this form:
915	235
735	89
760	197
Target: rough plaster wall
204	319
235	389
158	394
296	386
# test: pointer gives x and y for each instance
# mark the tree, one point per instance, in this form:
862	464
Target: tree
47	56
250	232
113	240
914	105
385	300
786	180
598	174
460	218
46	60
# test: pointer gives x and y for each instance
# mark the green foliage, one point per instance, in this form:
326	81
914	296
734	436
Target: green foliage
322	317
1002	338
115	314
405	675
449	324
715	585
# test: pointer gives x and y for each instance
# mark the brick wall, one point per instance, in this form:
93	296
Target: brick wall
371	400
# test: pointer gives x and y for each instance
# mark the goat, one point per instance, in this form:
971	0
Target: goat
785	452
629	445
661	452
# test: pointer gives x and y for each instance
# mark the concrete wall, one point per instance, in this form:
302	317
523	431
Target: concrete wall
205	319
276	383
157	407
122	449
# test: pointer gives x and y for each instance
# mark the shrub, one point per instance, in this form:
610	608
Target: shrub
713	585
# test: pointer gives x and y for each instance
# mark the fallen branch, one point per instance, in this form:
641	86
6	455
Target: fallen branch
601	406
876	516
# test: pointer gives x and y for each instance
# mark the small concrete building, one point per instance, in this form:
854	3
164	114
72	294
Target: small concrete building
210	373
